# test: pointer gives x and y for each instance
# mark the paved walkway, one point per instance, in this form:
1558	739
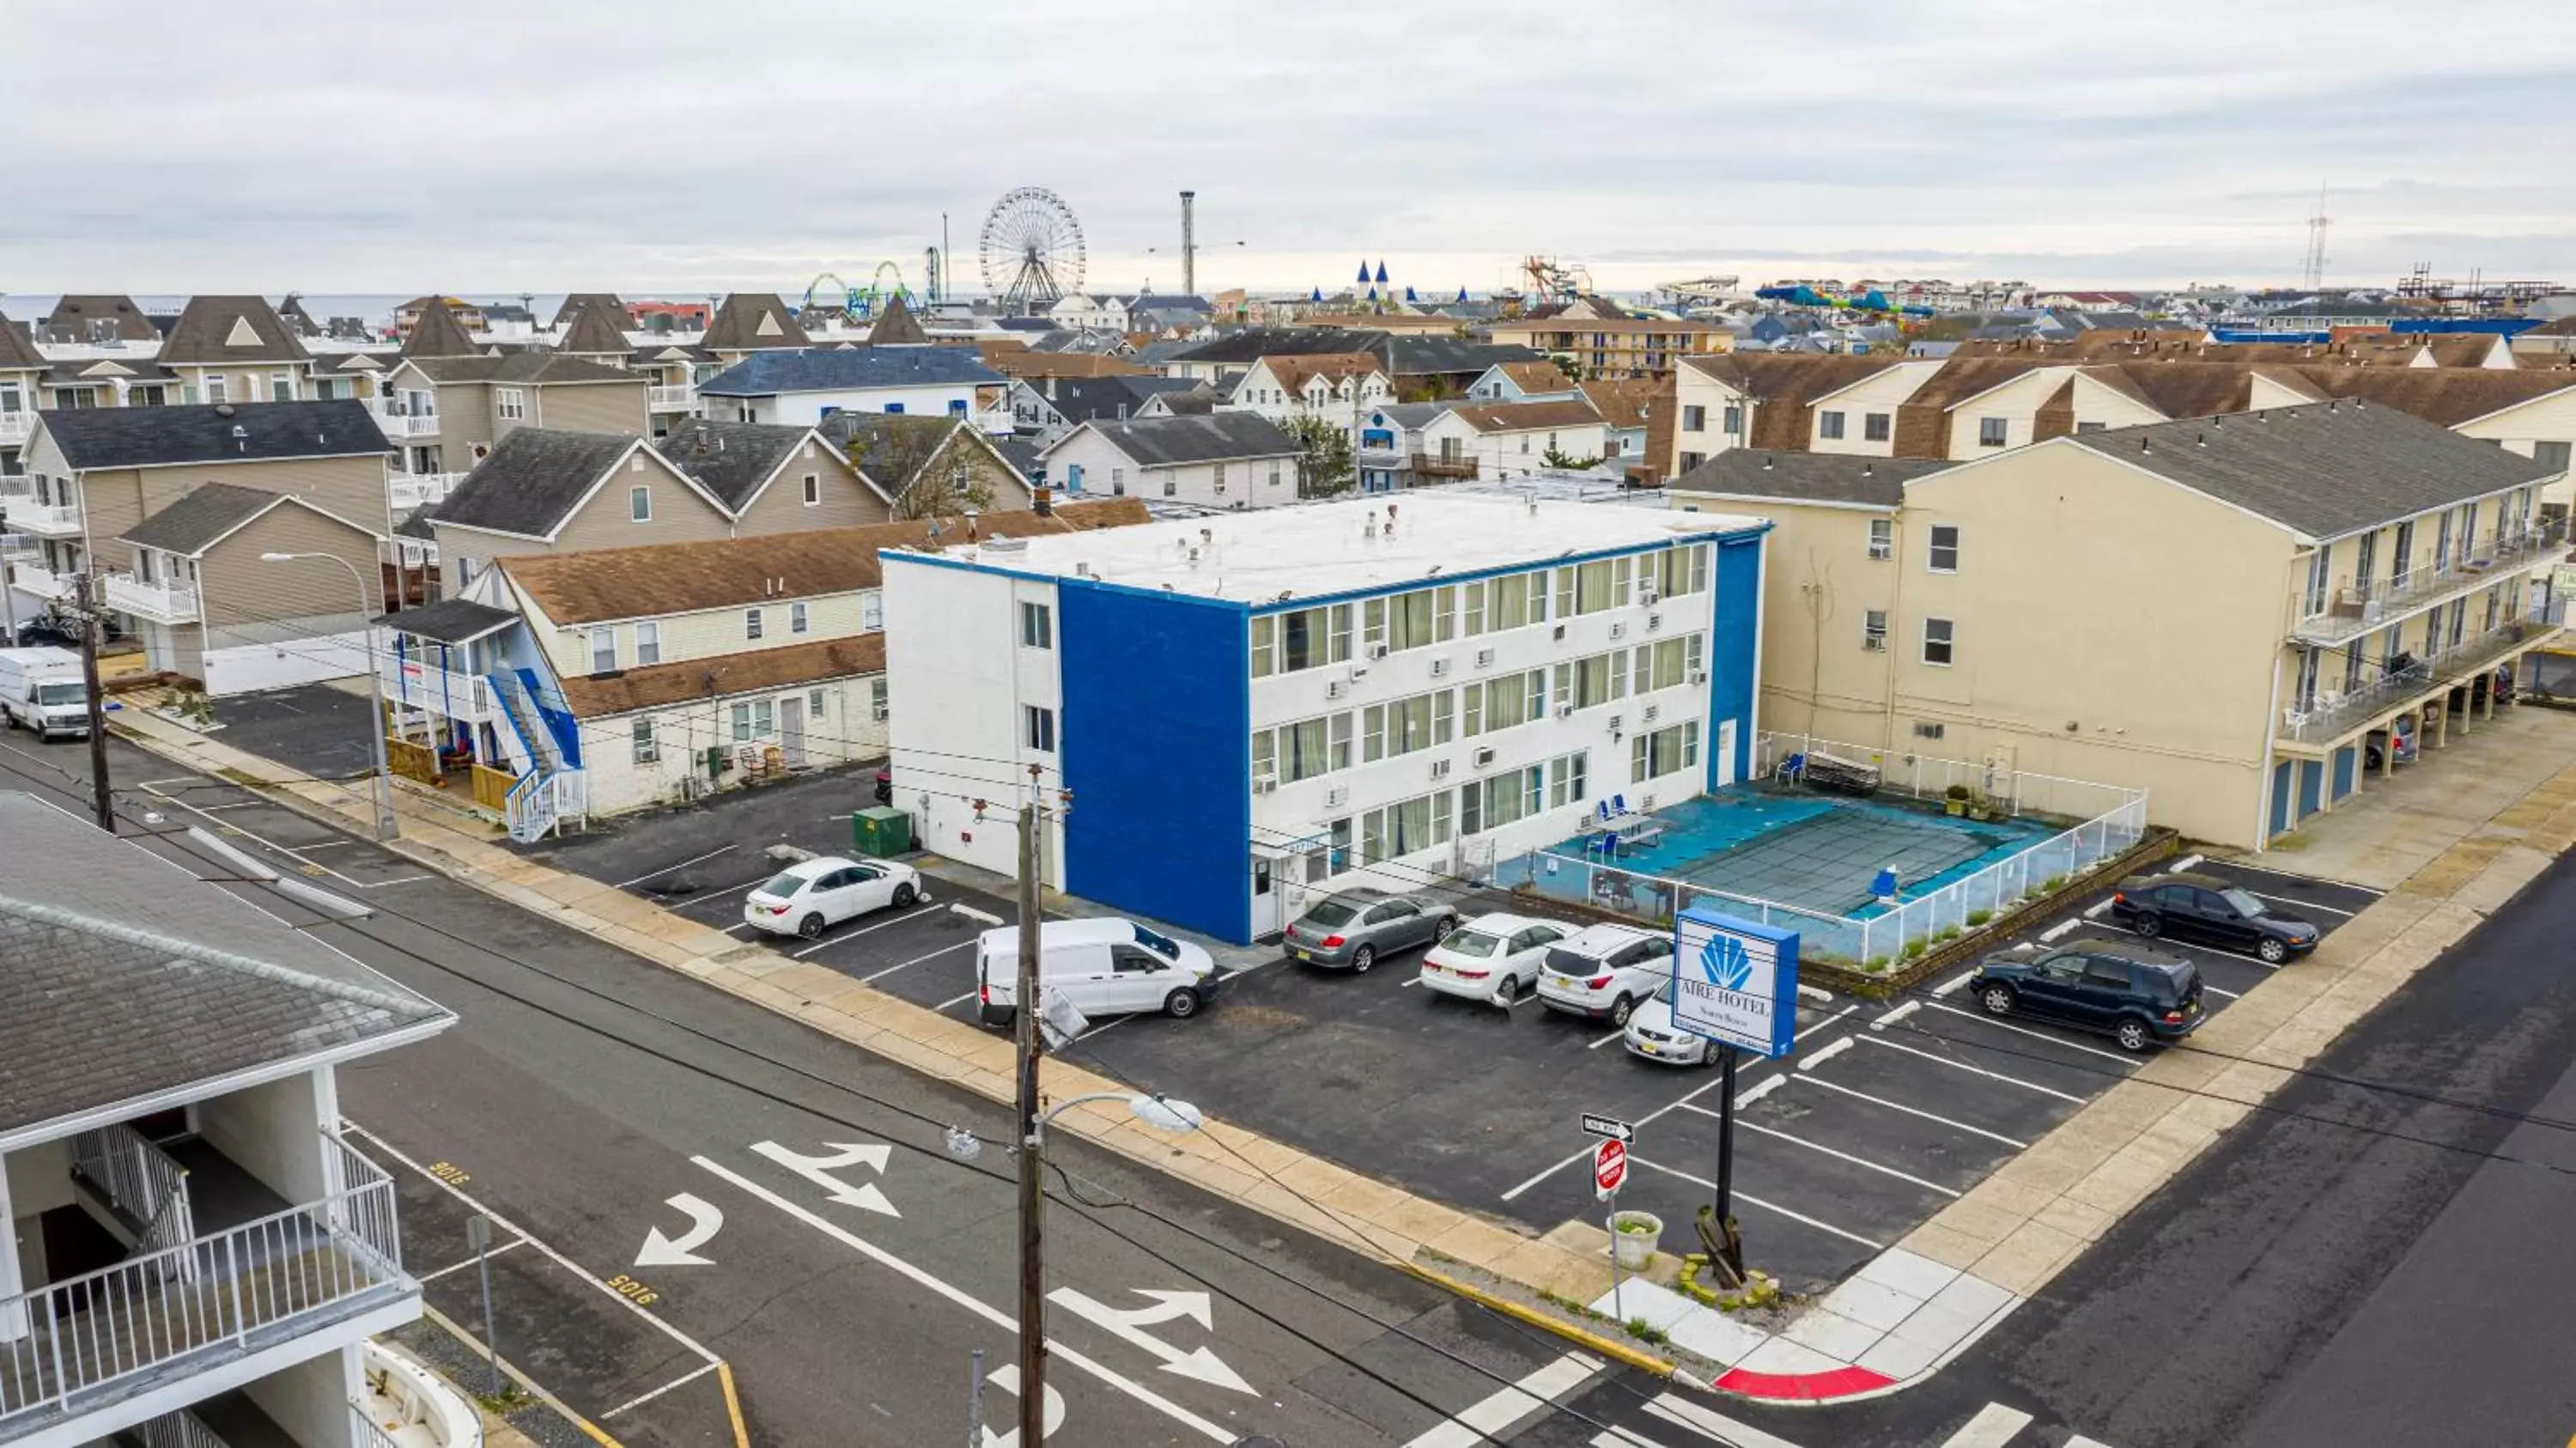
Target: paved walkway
1896	1321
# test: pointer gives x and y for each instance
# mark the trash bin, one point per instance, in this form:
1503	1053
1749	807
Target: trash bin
881	831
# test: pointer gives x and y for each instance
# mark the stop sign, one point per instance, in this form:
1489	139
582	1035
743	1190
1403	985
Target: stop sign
1609	1167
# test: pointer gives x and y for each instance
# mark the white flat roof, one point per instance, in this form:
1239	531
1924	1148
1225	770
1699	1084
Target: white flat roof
1317	549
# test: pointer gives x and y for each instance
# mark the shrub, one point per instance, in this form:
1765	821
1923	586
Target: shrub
1958	791
1980	917
1947	933
1914	948
2050	885
1876	964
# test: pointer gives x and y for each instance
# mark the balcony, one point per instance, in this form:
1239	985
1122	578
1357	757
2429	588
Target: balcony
411	684
29	515
16	427
34	578
2360	608
399	425
159	602
411	490
682	398
89	1342
2334	716
1431	465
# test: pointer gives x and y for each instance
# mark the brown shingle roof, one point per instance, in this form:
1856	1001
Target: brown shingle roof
78	312
1621	404
1293	372
1540	376
576	303
1012	358
2445	395
596	331
231	329
437	333
1923	419
752	322
1785	384
16	350
897	327
660	685
1523	416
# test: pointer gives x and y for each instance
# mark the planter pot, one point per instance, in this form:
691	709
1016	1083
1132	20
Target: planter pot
1632	1249
1955	808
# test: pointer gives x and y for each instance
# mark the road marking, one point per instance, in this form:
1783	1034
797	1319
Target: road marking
916	960
1978	1070
862	930
2094	910
1201	1363
272	845
1506	1409
1951	985
2176	868
1916	1111
1830	1050
325	845
1605	1040
2123	1059
971	913
956	1000
737	925
1859	1161
2059	931
2300	904
866	1196
679	1382
1742	1195
468	1262
970	1302
211	808
2080	1441
1994	1425
1898	1014
1682	1412
669	869
2302	879
2213	990
1693	1094
705	1220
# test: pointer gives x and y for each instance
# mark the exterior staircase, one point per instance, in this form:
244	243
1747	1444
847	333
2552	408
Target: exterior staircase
547	788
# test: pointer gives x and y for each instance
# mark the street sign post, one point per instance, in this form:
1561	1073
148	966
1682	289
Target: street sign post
1609	1168
1735	981
1609	1126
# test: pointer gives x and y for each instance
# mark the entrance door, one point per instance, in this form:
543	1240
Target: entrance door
1723	773
791	730
1266	894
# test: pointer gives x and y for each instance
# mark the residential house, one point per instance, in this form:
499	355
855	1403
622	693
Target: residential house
774	479
1391	454
196	1254
445	413
1625	409
408	315
235	349
2321	575
103	322
1334	387
1049	407
22	375
896	326
195	583
1540	381
576	303
1504	440
1105	312
1017	360
1222	460
1242	739
749	323
596	334
804	387
1429	368
1621	347
672	372
931	466
1221	361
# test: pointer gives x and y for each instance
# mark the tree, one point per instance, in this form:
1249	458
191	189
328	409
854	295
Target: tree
950	485
1566	461
1325	464
1567	363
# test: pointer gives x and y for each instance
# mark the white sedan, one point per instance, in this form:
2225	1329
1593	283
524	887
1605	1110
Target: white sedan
1651	1033
1491	958
810	897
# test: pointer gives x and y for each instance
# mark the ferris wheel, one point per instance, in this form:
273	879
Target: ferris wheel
1031	248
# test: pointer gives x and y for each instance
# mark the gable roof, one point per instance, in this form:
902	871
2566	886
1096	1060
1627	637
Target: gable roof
1785	384
437	333
2445	395
850	369
231	329
1254	343
1540	376
1805	477
1013	358
1620	404
223	432
2321	471
17	349
656	686
130	979
450	620
576	303
78	312
208	513
751	322
533	480
598	330
732	459
529	369
1169	441
891	449
1292	373
896	327
1423	356
1526	416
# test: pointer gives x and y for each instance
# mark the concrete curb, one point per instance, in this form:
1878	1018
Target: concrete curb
1519	1312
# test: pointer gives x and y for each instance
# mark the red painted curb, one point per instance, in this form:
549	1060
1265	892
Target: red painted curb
1803	1387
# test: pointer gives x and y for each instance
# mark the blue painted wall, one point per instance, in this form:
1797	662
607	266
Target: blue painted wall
1157	739
2344	761
2312	783
2281	796
1734	646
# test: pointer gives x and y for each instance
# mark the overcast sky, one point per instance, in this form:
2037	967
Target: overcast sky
684	146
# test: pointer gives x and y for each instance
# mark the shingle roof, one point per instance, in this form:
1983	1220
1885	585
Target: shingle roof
752	321
522	368
128	978
1291	373
843	369
1421	356
1167	441
1012	358
437	333
1540	376
730	459
200	516
2446	395
575	303
656	686
2322	471
1621	404
16	348
1254	343
77	313
598	331
897	327
231	329
1785	385
144	437
451	620
1806	477
1525	416
532	480
890	448
1081	399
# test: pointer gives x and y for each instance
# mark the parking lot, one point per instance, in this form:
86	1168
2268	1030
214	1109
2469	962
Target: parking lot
1887	1111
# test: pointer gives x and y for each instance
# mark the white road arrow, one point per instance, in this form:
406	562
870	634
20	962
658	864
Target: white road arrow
1201	1363
819	1169
705	1220
1007	1378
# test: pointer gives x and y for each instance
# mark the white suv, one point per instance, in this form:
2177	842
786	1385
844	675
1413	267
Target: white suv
1604	971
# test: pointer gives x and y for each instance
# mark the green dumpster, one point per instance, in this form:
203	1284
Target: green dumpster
882	831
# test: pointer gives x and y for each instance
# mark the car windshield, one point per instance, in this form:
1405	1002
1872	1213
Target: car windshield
1473	944
60	693
1567	962
1162	945
2245	904
1332	912
785	884
1664	992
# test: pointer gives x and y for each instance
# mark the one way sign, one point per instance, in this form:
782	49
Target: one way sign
1609	1128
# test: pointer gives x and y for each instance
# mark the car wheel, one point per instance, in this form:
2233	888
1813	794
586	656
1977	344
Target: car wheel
1621	1009
1508	991
1442	931
1997	999
2150	924
904	895
1363	958
2133	1035
1710	1053
1180	1005
2272	950
810	926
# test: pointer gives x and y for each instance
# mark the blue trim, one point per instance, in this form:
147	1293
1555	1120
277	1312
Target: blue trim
1734	650
2281	797
2312	783
2345	759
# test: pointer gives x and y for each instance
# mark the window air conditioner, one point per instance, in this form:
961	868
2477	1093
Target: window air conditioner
1565	711
1874	643
1560	633
1615	722
1336	797
1699	676
1377	651
1440	769
1336	689
1484	658
1646	595
1484	759
1651	713
1264	783
1439	667
1618	630
1654	621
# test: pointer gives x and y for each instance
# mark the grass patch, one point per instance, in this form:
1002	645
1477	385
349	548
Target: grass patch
242	777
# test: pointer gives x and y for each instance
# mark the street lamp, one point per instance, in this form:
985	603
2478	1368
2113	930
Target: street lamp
386	828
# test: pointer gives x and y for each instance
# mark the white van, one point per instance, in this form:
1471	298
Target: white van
1104	967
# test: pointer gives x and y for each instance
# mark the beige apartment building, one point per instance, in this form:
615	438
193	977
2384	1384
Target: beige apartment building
1617	347
2237	613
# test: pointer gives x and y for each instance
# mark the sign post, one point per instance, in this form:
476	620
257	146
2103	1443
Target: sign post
1735	982
1609	1171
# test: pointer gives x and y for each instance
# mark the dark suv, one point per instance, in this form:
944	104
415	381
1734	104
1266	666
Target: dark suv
2138	995
2204	907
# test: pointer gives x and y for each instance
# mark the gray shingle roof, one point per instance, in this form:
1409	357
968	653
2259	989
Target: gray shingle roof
576	303
437	333
17	349
1806	477
128	978
451	620
598	330
524	368
896	326
532	480
843	369
142	437
730	459
1219	436
2322	471
214	330
1081	399
200	516
1254	343
749	321
1428	356
76	313
891	450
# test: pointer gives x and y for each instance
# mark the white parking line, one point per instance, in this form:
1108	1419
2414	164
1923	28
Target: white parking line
1742	1195
2125	1060
971	913
470	1261
1898	1014
862	930
2059	931
1605	1040
916	960
642	1398
668	869
2176	868
1971	1070
2302	879
1915	1111
1994	1425
970	995
262	840
1507	1408
2213	990
2301	904
1859	1161
1952	985
325	845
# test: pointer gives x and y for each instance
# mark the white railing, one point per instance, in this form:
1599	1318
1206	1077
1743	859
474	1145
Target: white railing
536	806
40	582
366	1432
17	426
28	515
444	692
2359	608
406	424
671	399
181	1429
410	490
160	602
2331	715
86	1339
140	1180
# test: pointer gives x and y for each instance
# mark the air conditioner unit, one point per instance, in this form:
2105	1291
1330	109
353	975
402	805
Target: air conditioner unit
1654	621
1560	633
1699	676
1483	759
1874	643
1439	667
1358	672
1646	594
1377	651
1264	783
1618	630
1615	722
1336	797
1440	769
1336	689
1651	713
1565	711
1484	658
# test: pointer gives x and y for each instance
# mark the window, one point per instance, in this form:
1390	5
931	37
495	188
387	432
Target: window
1677	571
1171	485
1496	604
1218	473
1412	620
1873	629
1938	636
1667	664
1664	751
1565	779
877	699
1694	418
215	390
1303	750
2551	455
1401	829
751	626
814	703
1874	426
1733	420
1994	431
1690	461
1408	725
1274	474
1596	680
639	504
871	610
1305	639
646	750
813	490
1882	539
603	650
1592	587
754	719
1037	728
648	643
1502	703
1944	553
1117	482
1037	626
1501	799
510	403
281	387
796	619
1829	426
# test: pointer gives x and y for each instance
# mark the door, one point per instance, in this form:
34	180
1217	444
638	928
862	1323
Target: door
1267	917
2222	922
2108	992
1139	979
868	889
835	895
2053	986
791	730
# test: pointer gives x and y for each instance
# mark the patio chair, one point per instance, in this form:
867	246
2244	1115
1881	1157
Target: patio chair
1619	803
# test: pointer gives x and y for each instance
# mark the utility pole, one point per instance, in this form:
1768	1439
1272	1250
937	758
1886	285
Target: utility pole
1033	1350
1189	245
100	798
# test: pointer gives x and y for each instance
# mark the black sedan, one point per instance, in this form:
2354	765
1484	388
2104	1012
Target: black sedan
2209	909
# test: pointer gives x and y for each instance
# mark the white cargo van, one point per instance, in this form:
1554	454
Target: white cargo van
1104	967
41	689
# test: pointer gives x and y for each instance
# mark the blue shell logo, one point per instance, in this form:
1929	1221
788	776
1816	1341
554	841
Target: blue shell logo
1727	964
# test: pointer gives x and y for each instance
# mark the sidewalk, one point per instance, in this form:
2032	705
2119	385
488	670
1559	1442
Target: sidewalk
1894	1323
